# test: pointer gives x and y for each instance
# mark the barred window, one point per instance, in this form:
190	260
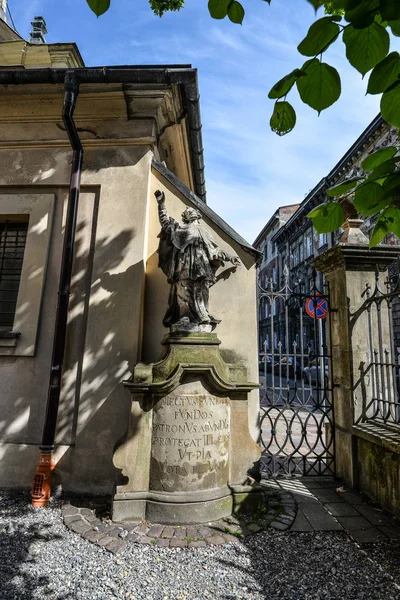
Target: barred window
12	247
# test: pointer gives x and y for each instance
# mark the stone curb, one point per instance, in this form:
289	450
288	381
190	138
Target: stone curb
93	525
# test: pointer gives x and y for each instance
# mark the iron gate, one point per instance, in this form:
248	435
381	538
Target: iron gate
296	374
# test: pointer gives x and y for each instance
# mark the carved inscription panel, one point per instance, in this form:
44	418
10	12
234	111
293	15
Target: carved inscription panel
190	442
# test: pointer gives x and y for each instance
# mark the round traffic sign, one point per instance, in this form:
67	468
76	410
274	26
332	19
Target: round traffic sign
317	307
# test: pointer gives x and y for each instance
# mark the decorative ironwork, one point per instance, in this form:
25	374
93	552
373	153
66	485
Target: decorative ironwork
296	395
382	372
12	247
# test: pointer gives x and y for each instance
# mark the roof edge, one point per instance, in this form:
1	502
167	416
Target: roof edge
204	208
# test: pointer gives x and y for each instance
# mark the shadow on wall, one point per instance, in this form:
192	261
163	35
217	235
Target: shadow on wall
100	349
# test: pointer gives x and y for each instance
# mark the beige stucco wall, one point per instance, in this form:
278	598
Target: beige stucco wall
118	294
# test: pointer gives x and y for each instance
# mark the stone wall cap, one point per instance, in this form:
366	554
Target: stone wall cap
356	257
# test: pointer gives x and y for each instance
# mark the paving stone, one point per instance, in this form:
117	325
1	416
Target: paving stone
301	523
198	544
230	538
328	496
100	526
352	498
192	532
141	529
116	547
354	523
163	542
215	540
143	539
91	535
114	531
319	518
91	518
132	537
175	543
341	510
374	515
205	532
86	512
72	519
168	532
106	539
368	536
180	533
279	526
289	512
70	510
155	531
79	527
284	518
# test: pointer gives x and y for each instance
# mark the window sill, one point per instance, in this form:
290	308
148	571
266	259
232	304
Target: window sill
9	339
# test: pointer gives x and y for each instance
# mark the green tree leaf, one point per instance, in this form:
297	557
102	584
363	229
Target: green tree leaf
362	14
99	7
342	188
388	221
390	9
283	118
320	36
378	157
161	6
368	199
284	85
218	9
327	217
390	105
366	47
395	27
391	185
321	86
384	74
383	170
316	3
236	12
379	232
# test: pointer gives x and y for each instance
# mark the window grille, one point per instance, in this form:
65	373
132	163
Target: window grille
12	247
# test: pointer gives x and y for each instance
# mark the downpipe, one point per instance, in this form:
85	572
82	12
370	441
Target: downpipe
41	487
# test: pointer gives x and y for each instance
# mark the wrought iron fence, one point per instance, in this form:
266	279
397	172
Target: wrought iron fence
296	394
381	374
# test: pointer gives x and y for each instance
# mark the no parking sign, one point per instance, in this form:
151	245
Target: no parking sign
317	307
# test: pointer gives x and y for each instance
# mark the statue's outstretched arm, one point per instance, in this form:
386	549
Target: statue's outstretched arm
166	222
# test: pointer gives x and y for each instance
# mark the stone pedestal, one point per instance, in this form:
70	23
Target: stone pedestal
187	453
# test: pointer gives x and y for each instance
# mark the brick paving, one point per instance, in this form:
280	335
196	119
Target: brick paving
91	520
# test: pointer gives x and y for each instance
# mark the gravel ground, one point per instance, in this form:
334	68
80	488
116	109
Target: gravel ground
41	559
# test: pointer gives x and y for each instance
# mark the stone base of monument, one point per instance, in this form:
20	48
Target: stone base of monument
187	452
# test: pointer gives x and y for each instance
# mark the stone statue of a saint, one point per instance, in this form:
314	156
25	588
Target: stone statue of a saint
189	258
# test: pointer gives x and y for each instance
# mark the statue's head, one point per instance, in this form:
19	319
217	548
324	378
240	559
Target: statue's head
190	214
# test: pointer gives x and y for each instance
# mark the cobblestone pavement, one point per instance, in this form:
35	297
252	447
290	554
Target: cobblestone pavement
90	518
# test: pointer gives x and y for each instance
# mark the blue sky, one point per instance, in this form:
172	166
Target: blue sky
250	171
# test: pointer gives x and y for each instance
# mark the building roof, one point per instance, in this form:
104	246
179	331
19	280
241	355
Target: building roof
271	220
183	75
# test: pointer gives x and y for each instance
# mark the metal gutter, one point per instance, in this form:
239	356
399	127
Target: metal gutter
41	489
184	75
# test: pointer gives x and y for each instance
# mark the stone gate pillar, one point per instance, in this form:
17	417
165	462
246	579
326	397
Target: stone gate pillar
348	267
